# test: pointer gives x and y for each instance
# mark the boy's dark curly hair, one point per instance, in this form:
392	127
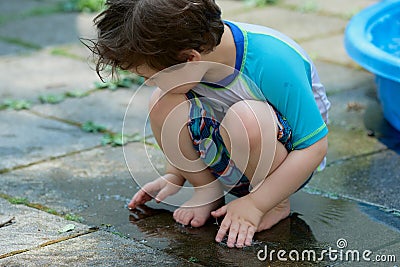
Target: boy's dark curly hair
154	32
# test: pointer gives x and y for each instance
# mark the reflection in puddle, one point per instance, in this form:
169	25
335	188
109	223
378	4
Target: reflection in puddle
317	224
188	242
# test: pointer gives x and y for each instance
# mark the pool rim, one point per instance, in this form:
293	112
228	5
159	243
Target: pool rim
360	48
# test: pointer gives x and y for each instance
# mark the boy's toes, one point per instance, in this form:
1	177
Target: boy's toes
183	216
196	223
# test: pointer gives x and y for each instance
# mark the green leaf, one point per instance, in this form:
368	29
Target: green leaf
193	259
112	86
15	104
18	200
91	127
73	217
125	82
106	139
76	93
100	85
261	2
51	99
117	139
67	228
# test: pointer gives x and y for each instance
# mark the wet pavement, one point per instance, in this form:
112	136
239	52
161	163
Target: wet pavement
63	194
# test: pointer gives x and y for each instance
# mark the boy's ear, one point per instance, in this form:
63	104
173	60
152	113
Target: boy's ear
190	55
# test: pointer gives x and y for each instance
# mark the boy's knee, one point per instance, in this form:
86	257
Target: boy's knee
162	104
243	116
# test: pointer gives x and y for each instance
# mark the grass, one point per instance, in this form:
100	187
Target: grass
18	200
83	5
64	53
261	2
73	217
20	42
15	104
92	127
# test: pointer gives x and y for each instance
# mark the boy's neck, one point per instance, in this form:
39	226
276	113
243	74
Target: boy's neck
224	53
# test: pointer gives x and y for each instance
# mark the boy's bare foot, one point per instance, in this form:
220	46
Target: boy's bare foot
275	215
197	210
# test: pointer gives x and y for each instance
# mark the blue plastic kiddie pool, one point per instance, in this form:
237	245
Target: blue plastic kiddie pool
372	39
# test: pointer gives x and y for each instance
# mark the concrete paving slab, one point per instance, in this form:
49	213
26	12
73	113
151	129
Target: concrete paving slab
106	108
349	133
388	255
8	48
337	78
230	8
87	183
348	107
96	249
26	138
79	51
342	8
26	77
21	7
31	228
287	21
329	48
372	179
96	185
64	28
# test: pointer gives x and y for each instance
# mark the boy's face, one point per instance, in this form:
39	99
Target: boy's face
176	79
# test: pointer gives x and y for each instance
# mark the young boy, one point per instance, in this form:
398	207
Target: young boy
227	92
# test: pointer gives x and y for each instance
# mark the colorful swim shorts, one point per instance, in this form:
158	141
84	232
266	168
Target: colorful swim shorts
204	129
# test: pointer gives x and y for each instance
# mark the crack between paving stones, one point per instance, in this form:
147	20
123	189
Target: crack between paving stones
55	118
341	160
73	123
48	243
314	191
2	171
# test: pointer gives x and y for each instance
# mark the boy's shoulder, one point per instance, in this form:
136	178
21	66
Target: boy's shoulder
262	36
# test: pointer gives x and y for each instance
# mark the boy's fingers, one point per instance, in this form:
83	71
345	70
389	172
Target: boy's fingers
139	198
243	230
233	232
161	195
249	238
219	212
226	223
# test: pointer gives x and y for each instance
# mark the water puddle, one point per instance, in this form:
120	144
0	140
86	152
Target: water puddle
316	223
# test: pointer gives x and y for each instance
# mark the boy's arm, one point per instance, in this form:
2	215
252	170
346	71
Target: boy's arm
290	175
246	212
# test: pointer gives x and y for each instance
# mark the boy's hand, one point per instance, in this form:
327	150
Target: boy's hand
159	189
241	221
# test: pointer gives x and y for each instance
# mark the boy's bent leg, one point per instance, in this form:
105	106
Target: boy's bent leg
169	117
258	125
250	129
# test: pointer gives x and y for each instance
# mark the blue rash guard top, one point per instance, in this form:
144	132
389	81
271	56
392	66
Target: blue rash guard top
271	67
